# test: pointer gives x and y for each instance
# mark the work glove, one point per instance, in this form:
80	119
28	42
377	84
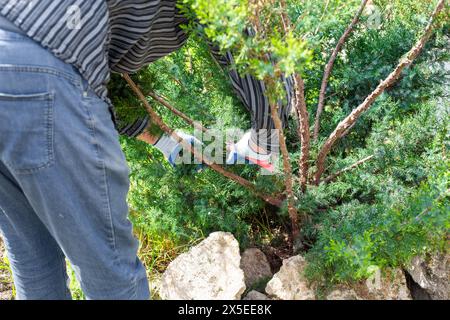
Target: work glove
241	152
172	148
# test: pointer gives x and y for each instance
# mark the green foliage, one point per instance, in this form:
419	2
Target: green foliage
253	31
357	238
74	285
182	204
393	208
369	56
225	20
378	215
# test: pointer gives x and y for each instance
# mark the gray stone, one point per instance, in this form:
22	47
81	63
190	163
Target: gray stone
432	275
343	293
256	267
208	271
289	283
255	295
391	285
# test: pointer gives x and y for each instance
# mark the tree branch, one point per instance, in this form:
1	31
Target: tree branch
304	133
175	111
329	67
301	110
321	18
287	24
389	81
158	121
353	166
293	214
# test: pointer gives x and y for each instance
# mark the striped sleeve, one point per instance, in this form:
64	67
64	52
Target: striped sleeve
252	92
142	32
132	129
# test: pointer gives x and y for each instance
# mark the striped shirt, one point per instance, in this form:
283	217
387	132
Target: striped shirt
100	36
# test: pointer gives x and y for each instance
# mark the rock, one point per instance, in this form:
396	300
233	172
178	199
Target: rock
417	292
389	286
255	295
343	294
256	267
209	271
432	275
289	283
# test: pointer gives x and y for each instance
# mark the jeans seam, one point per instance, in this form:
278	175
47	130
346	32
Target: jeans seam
50	130
46	70
7	35
108	205
105	180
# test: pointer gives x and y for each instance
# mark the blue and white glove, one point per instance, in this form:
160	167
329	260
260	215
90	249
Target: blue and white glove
241	152
172	148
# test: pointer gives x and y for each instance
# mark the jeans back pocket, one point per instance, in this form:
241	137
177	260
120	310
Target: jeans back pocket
26	131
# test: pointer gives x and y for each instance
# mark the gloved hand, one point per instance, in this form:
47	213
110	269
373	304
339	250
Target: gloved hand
242	152
172	148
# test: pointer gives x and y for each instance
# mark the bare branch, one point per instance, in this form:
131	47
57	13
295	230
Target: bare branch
329	67
301	111
158	121
304	133
353	166
293	214
389	81
175	111
323	15
287	24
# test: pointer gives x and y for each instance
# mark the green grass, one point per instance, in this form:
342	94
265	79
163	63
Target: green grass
6	273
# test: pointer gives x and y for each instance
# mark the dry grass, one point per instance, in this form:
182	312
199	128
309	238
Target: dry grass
156	253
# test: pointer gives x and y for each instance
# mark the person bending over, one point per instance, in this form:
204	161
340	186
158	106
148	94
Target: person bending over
63	176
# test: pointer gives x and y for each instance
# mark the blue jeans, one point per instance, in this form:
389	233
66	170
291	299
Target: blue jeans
63	181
